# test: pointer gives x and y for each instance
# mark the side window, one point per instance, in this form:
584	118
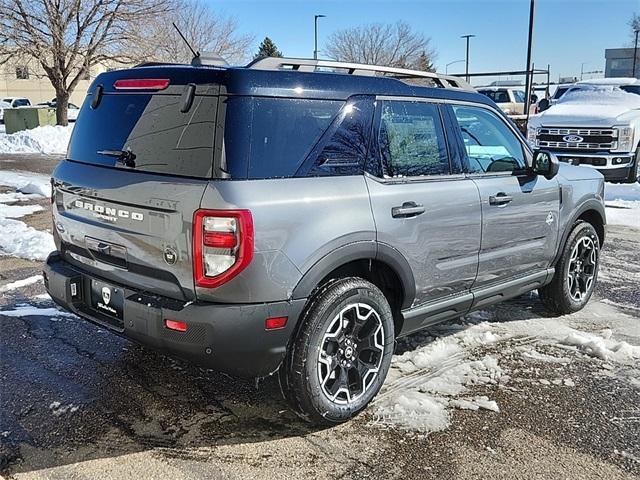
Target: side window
411	140
518	95
345	150
489	143
271	137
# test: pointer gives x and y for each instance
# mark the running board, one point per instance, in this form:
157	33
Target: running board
431	313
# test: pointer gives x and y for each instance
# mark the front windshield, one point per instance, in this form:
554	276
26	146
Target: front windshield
631	89
560	91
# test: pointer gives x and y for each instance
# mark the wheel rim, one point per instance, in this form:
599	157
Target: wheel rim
582	269
351	353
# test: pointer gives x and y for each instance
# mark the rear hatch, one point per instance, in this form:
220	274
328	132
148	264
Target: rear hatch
139	159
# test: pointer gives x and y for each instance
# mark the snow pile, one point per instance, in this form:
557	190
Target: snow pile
48	140
21	283
602	346
424	383
26	182
627	191
17	239
623	204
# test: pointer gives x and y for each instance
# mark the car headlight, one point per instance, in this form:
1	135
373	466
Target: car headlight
532	135
625	138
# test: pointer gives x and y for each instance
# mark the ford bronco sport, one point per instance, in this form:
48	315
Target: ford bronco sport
296	217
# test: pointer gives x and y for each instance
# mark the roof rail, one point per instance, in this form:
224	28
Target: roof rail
309	65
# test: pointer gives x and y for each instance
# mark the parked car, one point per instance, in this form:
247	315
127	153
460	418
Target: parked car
3	106
560	91
295	217
72	109
509	99
596	125
16	102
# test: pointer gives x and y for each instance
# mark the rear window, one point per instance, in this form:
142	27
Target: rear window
163	139
271	137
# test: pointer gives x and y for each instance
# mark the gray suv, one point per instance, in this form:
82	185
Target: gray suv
295	217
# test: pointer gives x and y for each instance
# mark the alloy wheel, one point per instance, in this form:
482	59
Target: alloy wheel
351	353
582	269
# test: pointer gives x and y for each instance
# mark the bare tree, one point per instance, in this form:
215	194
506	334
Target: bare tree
68	37
206	31
395	45
634	26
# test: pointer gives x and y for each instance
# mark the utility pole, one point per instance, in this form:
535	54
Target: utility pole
532	11
315	35
635	54
466	71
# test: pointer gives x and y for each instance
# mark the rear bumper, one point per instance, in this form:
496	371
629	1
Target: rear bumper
225	337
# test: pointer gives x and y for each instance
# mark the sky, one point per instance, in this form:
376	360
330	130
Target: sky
568	33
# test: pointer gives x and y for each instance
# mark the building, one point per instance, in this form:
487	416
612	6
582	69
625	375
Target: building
29	81
619	62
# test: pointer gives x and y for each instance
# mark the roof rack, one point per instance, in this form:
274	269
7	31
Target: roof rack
309	65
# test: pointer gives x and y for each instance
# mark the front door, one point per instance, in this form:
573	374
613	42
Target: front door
422	204
519	210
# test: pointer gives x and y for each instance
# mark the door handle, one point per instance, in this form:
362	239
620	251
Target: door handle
407	210
500	199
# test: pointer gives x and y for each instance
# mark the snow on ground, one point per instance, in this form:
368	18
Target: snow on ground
425	383
26	182
16	237
48	140
623	204
30	310
17	211
21	283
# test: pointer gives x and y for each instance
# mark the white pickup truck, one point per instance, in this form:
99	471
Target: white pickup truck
595	125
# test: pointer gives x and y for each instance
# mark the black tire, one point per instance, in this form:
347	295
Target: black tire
333	306
567	295
635	171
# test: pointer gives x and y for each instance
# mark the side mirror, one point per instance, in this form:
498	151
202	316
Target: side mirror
545	163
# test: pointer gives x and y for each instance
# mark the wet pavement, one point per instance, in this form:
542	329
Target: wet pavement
78	402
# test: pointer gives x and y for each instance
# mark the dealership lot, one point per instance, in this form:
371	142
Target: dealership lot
519	394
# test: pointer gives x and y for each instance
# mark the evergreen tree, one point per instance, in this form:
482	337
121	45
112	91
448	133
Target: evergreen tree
267	49
424	63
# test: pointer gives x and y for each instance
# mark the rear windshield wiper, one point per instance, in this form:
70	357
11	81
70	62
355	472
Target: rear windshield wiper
125	157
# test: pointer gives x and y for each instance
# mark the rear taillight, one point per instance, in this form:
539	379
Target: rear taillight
141	84
222	245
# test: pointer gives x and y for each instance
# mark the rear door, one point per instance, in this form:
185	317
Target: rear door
423	206
139	160
519	210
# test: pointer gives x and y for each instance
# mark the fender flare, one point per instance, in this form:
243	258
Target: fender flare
358	251
590	204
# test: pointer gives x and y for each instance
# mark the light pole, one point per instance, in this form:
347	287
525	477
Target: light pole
466	71
635	54
315	36
529	80
582	69
446	67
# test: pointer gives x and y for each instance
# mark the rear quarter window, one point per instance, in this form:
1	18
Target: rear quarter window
271	137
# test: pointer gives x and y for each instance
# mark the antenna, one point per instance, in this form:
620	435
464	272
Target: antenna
195	54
